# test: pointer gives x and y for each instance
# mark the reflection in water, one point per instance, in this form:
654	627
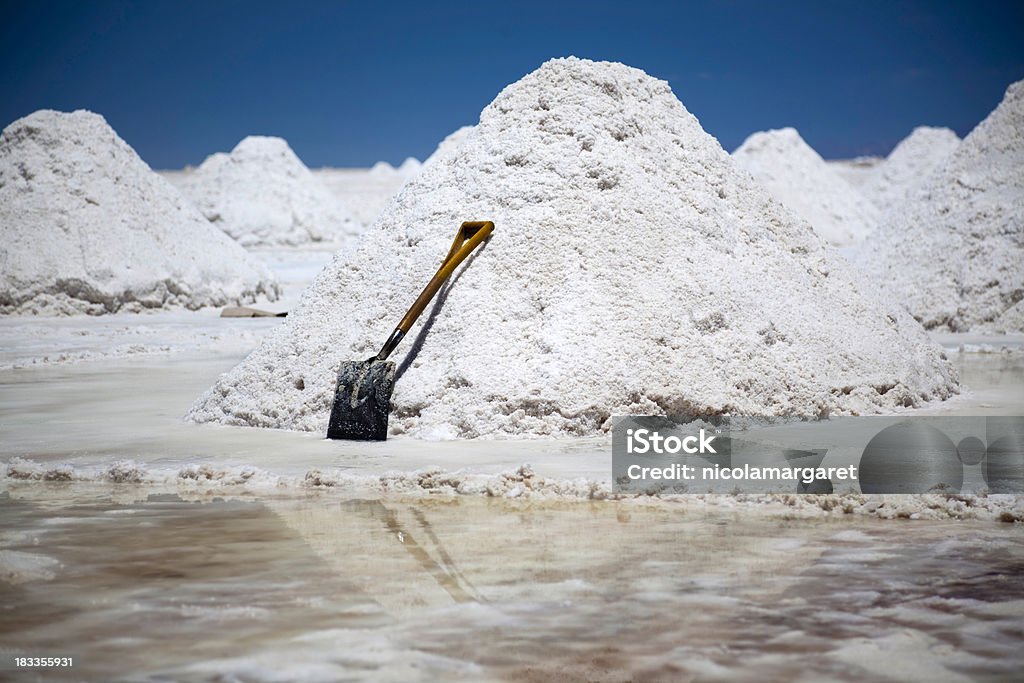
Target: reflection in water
474	589
443	571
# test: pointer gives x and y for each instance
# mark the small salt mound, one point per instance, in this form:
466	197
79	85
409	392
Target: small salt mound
799	178
410	167
908	166
90	228
633	270
262	194
383	169
953	253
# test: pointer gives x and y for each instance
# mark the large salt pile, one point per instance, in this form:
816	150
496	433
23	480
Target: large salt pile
89	228
799	178
907	167
262	194
633	269
954	253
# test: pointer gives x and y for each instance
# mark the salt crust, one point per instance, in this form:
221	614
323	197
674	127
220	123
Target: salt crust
90	228
953	253
799	178
262	194
634	270
908	166
521	484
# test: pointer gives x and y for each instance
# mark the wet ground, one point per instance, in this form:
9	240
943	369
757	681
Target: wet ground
333	588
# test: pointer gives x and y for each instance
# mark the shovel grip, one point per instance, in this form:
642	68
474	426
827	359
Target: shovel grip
470	235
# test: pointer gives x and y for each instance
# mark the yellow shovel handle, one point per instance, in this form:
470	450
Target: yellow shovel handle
468	238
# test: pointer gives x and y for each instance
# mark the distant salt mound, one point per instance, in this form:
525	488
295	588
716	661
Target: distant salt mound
383	169
799	178
410	168
633	270
953	253
90	228
262	194
908	166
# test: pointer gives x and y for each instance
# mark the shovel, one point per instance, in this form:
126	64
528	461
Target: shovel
363	394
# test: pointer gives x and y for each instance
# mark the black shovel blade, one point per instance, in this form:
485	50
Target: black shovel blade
362	401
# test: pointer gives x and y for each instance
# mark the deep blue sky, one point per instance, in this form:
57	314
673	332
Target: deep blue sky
348	83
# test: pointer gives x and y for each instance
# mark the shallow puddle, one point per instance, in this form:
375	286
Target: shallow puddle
331	588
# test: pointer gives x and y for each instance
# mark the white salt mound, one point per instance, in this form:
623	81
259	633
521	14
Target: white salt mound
383	169
449	144
90	228
410	167
908	166
799	178
633	269
954	252
262	194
